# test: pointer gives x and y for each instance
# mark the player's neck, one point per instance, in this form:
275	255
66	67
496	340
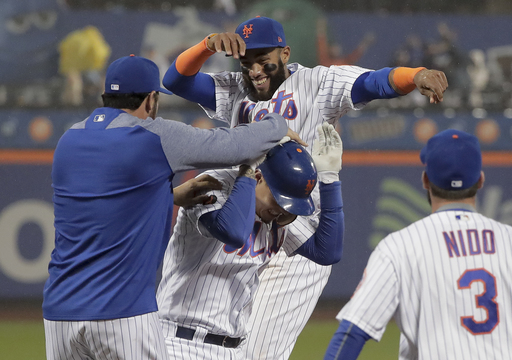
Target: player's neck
436	202
140	113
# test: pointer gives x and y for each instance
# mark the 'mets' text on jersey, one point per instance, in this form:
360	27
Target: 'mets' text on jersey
306	98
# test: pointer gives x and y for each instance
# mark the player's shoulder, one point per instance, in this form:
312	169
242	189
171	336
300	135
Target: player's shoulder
296	68
225	176
408	235
491	223
223	77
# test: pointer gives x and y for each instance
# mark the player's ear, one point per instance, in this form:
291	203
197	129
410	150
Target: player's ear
285	54
481	180
425	181
148	102
258	176
152	100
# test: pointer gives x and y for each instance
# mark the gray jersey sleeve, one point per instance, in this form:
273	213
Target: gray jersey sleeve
187	147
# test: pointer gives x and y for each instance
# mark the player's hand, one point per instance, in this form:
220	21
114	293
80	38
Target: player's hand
327	149
292	135
230	43
189	193
432	84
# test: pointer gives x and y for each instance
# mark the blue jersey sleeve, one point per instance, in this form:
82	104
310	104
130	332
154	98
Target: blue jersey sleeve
325	247
373	85
198	88
233	223
346	343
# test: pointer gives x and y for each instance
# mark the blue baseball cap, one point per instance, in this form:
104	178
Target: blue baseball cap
452	159
261	32
131	75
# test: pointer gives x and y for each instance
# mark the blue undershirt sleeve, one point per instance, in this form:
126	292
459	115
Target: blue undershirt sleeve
373	85
198	88
325	247
347	342
233	223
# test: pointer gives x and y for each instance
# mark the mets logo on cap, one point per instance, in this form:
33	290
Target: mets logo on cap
261	32
247	31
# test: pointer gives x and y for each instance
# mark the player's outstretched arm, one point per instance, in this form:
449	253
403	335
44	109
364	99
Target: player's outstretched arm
184	79
325	247
188	148
389	83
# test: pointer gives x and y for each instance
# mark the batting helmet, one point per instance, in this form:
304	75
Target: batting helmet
290	173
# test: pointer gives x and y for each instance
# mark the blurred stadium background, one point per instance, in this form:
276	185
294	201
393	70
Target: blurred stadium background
53	54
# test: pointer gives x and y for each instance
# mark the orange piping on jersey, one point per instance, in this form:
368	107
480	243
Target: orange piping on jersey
403	77
190	61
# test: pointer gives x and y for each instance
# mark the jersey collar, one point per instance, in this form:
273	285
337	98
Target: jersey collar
457	206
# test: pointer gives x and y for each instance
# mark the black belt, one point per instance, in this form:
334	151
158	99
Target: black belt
225	341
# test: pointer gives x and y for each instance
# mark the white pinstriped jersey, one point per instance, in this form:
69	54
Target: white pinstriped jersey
308	97
447	281
290	286
209	285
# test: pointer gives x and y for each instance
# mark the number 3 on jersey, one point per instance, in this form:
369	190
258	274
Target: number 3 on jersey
484	301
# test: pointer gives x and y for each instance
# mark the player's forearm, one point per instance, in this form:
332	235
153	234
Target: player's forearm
373	85
191	60
189	148
325	247
402	79
346	343
233	223
386	83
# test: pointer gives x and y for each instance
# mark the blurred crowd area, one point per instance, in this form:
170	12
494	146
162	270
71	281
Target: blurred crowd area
456	6
53	53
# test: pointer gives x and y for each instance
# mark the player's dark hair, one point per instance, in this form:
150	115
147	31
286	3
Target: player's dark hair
124	101
454	194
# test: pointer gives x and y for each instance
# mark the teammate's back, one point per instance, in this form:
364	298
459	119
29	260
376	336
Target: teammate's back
454	278
445	279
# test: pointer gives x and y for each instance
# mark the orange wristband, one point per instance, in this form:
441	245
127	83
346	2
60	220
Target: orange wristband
403	77
189	62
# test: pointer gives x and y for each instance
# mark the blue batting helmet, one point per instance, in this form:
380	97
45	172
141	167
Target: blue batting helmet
290	173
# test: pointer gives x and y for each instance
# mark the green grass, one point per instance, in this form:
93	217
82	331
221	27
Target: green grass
22	340
313	342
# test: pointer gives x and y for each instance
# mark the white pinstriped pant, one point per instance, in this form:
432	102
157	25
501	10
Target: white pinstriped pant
134	338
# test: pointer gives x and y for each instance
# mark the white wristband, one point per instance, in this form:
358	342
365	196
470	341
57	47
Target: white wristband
328	177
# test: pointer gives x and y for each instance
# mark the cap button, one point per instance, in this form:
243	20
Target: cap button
132	55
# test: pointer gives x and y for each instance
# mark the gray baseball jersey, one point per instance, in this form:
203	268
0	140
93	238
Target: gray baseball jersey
290	286
446	280
202	276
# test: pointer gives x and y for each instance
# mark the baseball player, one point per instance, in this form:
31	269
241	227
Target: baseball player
113	200
211	265
446	279
305	97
